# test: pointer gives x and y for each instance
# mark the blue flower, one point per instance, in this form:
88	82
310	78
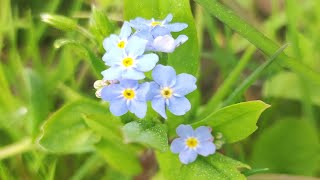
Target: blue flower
191	143
126	96
120	41
169	89
165	25
158	33
130	62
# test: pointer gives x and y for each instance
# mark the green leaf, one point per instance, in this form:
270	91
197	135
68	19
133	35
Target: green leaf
287	85
107	126
119	156
148	133
235	122
66	132
289	146
38	101
185	59
216	167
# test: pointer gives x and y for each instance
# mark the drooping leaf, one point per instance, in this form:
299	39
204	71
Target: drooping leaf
235	122
215	167
148	133
66	132
290	146
119	156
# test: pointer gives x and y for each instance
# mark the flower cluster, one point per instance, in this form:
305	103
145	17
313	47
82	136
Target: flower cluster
130	55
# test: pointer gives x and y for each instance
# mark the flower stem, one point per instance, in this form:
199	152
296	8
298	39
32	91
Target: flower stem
16	148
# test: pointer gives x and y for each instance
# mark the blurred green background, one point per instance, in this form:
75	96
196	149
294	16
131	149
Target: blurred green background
38	77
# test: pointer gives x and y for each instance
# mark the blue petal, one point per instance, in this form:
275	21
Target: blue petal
176	27
179	105
177	145
154	91
140	23
111	92
127	83
113	57
203	133
164	44
125	31
139	108
147	62
160	31
168	19
185	84
184	131
188	156
142	91
132	74
180	40
113	73
136	46
206	148
165	76
110	42
118	107
158	104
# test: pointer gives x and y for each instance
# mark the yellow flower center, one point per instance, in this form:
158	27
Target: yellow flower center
127	62
166	92
121	44
155	23
192	142
128	93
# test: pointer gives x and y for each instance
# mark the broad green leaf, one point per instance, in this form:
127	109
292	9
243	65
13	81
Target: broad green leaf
287	85
289	146
235	122
119	156
107	126
215	167
66	132
38	101
148	133
280	177
185	58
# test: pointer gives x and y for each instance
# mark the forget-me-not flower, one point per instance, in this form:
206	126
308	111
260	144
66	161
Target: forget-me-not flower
143	24
130	62
168	90
120	41
158	33
192	142
126	96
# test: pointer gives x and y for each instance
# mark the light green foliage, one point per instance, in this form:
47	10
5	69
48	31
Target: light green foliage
286	85
289	146
66	132
119	156
148	133
215	166
235	122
